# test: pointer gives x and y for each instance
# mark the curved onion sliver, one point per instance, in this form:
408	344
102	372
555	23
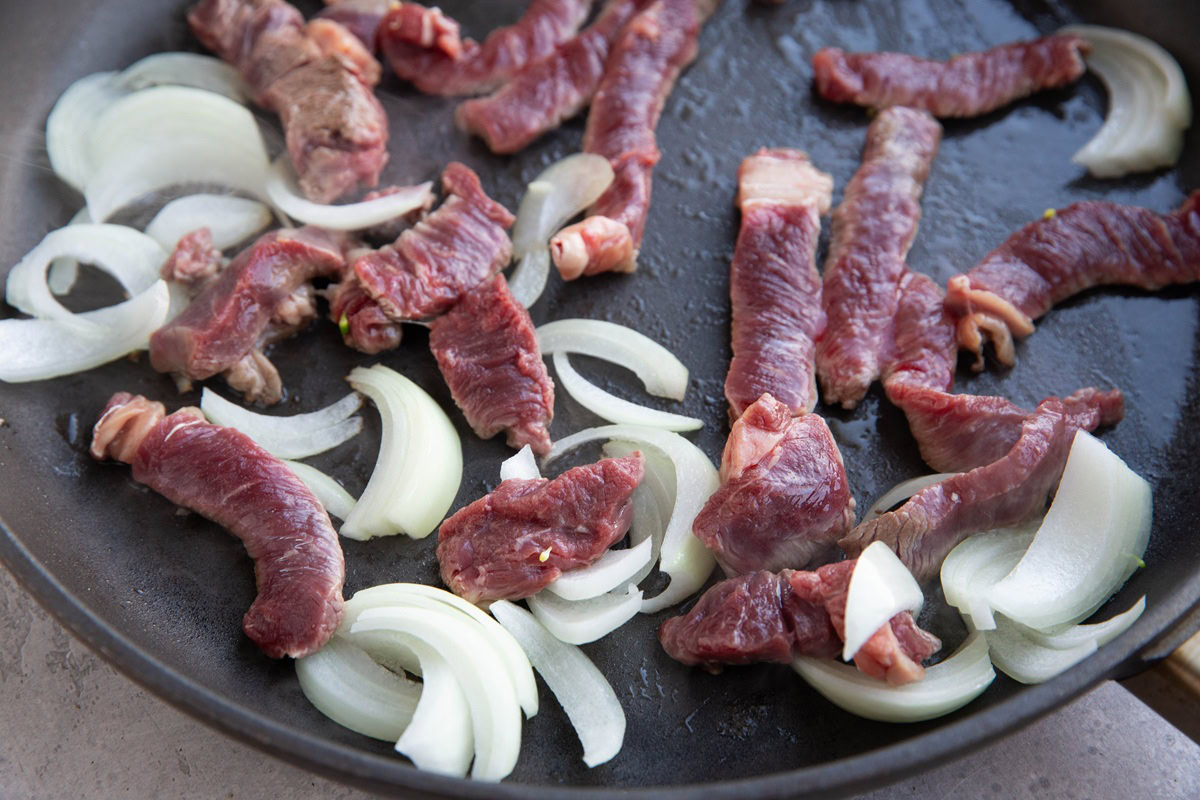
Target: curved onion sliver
337	501
653	500
903	491
660	371
71	122
281	187
230	219
612	571
976	564
349	687
615	409
185	69
291	436
583	621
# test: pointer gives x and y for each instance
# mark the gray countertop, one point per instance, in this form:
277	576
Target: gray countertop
71	726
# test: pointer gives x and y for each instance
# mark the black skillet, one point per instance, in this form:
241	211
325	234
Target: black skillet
161	595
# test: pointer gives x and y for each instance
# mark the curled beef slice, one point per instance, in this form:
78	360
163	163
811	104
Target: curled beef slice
359	318
513	542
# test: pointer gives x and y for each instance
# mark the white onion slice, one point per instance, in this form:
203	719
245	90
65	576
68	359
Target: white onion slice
614	570
903	491
562	191
612	408
1090	542
946	687
293	436
581	689
653	500
523	466
336	500
683	557
1027	662
1149	105
976	564
1101	632
185	69
880	588
65	271
281	187
71	122
230	219
419	468
37	349
348	686
583	621
660	371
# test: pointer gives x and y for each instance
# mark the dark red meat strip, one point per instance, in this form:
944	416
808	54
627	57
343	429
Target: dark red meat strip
423	46
965	86
774	288
488	353
1081	246
515	541
546	92
784	497
873	229
923	348
361	321
361	17
224	476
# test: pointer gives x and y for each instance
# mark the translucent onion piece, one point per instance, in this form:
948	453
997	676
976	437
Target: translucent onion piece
293	436
976	564
880	588
1149	105
653	500
495	714
231	219
419	467
612	571
522	466
902	491
346	685
1101	632
581	689
1027	662
185	69
71	122
946	687
170	135
562	191
281	187
1090	542
583	621
612	408
660	371
65	271
37	349
683	557
337	501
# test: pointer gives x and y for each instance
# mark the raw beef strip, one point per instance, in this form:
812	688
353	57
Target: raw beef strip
513	542
435	262
194	261
873	229
360	320
784	497
774	288
223	475
1006	492
923	349
488	353
967	85
361	17
1068	251
423	45
546	92
765	616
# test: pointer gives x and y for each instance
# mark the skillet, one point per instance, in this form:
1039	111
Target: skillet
161	595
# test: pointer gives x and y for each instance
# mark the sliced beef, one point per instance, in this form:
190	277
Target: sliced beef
923	349
774	288
361	17
967	85
784	497
488	353
224	476
359	318
423	46
194	261
515	541
873	229
1069	251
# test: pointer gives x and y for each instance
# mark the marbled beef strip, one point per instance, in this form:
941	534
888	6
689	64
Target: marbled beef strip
423	47
1076	248
764	616
774	288
873	229
513	542
223	475
488	353
784	497
967	85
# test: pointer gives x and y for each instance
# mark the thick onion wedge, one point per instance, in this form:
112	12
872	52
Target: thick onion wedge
976	564
523	466
903	491
581	689
660	371
946	687
583	621
349	687
562	191
281	187
230	219
880	588
337	501
293	436
612	571
419	467
185	69
615	409
683	557
71	122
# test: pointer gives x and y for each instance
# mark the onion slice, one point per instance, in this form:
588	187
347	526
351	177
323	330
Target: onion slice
230	219
348	686
612	408
523	466
880	588
71	122
64	271
902	491
281	187
947	686
652	502
614	570
581	689
185	69
583	621
291	437
660	371
419	468
976	564
337	501
1027	662
1101	632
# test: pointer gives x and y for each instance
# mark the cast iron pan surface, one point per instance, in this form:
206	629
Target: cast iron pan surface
162	595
